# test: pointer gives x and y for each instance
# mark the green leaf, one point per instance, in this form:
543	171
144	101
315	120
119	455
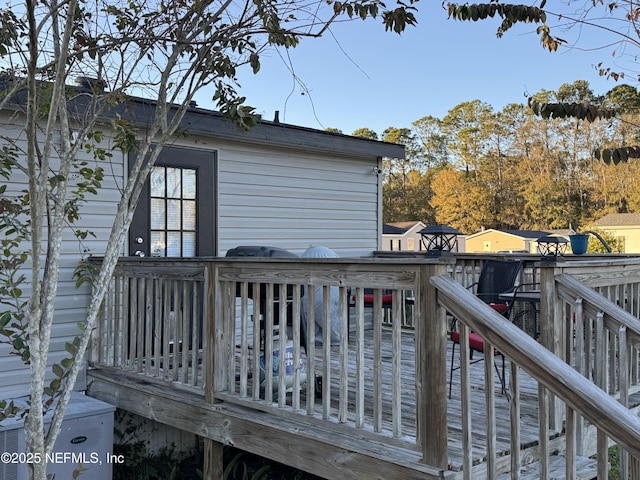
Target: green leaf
254	61
67	362
616	157
58	371
5	317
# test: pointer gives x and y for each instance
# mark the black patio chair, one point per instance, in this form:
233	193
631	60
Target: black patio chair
497	277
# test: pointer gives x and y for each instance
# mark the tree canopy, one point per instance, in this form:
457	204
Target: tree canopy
515	169
618	20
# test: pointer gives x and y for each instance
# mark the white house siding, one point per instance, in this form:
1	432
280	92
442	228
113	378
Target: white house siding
293	199
278	196
71	303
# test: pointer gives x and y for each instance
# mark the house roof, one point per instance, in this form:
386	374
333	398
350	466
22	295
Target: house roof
211	123
389	229
526	234
398	228
618	220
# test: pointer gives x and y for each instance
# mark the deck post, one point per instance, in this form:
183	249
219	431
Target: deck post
552	331
213	467
431	369
213	460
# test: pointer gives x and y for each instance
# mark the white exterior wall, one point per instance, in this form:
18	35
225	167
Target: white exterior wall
71	303
294	200
266	196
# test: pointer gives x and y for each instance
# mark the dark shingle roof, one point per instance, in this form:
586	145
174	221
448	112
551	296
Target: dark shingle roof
528	233
214	124
389	229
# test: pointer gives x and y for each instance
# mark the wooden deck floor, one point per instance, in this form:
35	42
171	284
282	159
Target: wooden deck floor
403	446
529	409
528	398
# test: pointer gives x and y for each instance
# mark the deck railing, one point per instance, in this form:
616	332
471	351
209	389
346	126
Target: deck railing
153	320
216	326
589	368
253	297
592	310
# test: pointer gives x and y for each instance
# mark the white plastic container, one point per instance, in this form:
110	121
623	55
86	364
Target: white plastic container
289	367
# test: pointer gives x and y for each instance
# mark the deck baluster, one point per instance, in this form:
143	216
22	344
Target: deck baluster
360	360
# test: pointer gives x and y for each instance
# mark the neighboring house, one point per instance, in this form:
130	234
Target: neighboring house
625	227
278	185
509	241
402	236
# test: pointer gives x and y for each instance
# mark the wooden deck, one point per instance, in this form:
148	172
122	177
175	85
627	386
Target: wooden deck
376	406
528	399
528	408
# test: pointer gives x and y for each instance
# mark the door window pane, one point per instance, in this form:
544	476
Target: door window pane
157	182
173	212
157	214
189	215
189	244
174	182
174	244
189	184
173	215
158	244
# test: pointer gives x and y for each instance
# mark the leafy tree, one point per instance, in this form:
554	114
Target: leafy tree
625	99
407	184
408	200
458	201
166	51
464	126
609	17
365	133
433	142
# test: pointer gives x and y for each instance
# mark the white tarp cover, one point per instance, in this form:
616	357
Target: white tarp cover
322	252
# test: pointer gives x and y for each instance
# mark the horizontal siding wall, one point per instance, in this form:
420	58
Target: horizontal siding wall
295	200
71	303
266	196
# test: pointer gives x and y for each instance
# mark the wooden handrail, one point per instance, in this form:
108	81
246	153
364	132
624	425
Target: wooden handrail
600	409
569	289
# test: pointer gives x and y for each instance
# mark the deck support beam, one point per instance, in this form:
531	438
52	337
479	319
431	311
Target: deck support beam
213	460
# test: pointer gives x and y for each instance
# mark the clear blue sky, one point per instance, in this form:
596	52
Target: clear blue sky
363	76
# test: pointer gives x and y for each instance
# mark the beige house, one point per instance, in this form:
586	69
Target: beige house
402	236
508	241
625	227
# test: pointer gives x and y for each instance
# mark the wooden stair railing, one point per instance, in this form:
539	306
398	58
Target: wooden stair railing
553	375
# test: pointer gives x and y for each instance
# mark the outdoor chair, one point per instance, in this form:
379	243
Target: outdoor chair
497	277
369	297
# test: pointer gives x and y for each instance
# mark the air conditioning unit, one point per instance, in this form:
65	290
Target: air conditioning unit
85	442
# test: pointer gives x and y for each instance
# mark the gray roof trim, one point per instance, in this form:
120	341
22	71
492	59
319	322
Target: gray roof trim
212	124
